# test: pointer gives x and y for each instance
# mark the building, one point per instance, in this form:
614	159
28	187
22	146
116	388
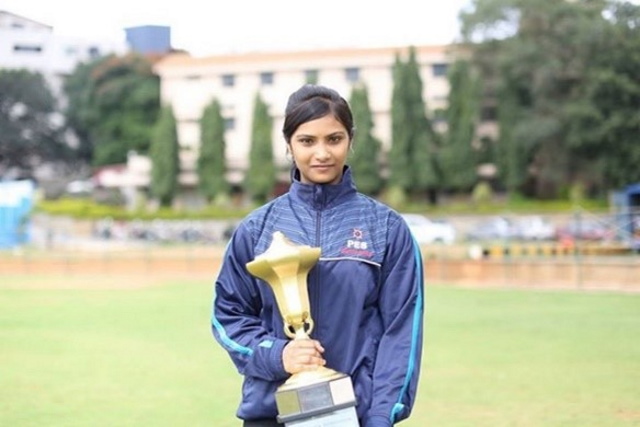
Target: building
31	45
189	84
149	39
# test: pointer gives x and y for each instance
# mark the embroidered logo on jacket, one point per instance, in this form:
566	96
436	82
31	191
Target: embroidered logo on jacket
356	246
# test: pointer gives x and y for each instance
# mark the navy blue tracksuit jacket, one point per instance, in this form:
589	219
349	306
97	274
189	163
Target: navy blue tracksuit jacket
366	296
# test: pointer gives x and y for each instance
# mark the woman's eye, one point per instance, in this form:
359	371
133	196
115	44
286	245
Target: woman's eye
305	141
335	139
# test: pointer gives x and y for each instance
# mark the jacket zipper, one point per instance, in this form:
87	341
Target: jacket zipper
315	310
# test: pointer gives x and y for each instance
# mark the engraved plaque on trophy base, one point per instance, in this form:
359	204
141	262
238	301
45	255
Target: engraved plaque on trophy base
330	402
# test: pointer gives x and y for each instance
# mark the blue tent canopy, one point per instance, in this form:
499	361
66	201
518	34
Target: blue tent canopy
627	202
16	202
633	189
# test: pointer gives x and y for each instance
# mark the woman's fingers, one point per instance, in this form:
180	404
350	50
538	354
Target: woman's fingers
302	355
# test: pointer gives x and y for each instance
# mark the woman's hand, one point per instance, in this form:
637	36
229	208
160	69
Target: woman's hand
302	355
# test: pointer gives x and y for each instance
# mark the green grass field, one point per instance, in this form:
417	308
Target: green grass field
145	357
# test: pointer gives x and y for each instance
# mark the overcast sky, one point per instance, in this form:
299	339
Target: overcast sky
212	27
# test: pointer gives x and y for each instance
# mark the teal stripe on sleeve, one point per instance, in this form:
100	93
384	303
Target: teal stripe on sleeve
228	342
399	406
224	338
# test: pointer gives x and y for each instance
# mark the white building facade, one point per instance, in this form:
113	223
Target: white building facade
31	45
189	84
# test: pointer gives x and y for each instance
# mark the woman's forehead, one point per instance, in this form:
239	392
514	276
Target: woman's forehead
324	124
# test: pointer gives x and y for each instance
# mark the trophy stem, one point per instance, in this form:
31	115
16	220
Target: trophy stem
298	333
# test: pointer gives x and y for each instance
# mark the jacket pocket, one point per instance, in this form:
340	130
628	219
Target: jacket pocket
363	375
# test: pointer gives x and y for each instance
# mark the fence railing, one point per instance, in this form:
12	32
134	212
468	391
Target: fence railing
442	265
582	257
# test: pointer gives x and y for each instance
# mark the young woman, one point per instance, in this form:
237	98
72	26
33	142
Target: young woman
365	291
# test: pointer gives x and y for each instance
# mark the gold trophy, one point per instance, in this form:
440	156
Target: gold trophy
321	397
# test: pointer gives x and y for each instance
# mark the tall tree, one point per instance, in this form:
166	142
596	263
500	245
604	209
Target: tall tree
365	159
29	132
400	177
422	138
165	160
80	115
538	55
260	179
457	157
113	104
605	128
412	160
211	159
512	158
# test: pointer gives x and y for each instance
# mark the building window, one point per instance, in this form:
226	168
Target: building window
30	48
229	123
352	74
266	78
440	70
311	76
94	52
488	113
439	115
228	80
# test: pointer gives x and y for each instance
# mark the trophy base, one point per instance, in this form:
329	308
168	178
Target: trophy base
327	402
346	417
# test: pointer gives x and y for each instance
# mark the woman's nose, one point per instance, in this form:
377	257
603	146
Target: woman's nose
322	152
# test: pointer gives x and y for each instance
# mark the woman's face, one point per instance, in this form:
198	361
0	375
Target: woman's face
319	148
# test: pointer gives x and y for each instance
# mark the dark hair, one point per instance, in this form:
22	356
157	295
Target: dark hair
312	102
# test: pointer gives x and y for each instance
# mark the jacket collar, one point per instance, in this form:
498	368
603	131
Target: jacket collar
322	196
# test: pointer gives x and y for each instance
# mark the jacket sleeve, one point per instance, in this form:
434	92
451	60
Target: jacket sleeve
235	319
397	368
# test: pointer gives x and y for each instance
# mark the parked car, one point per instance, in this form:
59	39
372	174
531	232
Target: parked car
493	228
586	229
534	228
427	231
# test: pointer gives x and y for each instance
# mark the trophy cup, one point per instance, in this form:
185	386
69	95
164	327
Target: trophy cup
322	397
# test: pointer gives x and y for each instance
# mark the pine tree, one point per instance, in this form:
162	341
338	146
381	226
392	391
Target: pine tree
411	161
366	148
211	160
399	172
457	157
511	157
260	179
164	153
422	139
